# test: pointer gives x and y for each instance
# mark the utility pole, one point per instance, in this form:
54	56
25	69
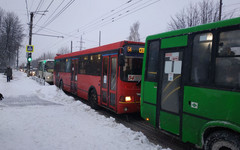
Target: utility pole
99	38
220	10
71	46
81	43
30	40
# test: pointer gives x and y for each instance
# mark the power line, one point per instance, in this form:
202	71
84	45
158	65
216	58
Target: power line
117	17
52	14
39	5
231	5
48	35
27	9
54	31
99	19
31	5
44	12
128	12
232	11
60	12
106	15
113	10
73	35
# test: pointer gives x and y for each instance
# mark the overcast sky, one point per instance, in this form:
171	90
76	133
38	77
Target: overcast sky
87	17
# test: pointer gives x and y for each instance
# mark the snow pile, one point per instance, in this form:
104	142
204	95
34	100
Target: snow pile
71	125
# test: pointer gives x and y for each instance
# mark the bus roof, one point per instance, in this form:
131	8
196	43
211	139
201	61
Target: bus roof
209	26
107	47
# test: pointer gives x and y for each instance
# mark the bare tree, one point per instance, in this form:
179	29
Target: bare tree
199	13
64	50
11	37
134	34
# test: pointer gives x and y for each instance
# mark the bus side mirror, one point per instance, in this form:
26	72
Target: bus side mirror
121	60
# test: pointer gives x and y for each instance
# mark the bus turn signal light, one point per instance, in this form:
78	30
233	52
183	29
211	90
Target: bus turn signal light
147	119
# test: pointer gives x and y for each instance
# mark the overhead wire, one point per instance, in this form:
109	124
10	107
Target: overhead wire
118	17
135	9
39	5
60	12
27	9
88	23
231	12
54	11
51	30
74	35
44	13
31	5
102	17
234	4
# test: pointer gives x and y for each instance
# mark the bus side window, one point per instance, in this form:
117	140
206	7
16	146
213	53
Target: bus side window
201	58
68	65
152	59
228	59
62	65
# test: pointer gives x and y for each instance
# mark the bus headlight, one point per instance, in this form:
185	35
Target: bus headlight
125	99
128	98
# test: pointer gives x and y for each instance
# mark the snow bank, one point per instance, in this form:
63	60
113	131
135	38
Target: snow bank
71	125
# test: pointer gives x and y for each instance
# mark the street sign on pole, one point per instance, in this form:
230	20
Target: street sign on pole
29	48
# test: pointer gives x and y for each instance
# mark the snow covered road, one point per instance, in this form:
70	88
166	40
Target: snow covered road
37	117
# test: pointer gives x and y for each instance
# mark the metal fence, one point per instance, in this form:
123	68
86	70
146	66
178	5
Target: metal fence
39	80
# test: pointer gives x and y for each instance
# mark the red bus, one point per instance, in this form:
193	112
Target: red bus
106	76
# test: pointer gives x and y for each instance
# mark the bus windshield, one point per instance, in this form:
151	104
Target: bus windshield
132	69
49	66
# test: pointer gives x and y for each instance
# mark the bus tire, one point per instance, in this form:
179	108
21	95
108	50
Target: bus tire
61	85
222	140
93	99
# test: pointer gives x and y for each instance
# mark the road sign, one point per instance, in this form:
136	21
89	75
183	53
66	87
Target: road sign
29	48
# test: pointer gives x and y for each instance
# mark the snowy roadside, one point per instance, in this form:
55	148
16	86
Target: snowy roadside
71	125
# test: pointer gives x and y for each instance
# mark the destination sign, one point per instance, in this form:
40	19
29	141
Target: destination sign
131	49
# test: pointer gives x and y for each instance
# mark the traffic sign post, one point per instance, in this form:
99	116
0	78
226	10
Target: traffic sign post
29	48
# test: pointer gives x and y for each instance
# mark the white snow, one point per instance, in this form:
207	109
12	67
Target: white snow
38	117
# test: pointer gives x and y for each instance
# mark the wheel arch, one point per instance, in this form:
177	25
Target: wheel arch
90	89
60	82
214	126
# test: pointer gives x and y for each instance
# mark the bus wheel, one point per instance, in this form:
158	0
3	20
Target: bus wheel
61	85
222	140
93	99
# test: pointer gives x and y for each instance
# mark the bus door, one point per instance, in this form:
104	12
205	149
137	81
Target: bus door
169	91
74	72
109	81
56	69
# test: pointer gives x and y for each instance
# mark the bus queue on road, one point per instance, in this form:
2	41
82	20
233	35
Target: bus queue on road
188	81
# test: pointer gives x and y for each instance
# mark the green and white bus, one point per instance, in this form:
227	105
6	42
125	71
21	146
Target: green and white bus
45	70
191	84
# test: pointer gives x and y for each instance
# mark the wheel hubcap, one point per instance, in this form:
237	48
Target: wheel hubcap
223	145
